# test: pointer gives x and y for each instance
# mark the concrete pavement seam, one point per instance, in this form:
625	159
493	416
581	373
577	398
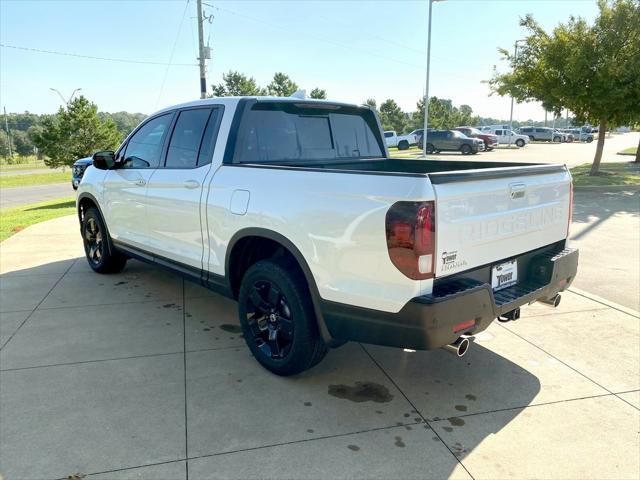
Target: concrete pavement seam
556	358
603	301
424	419
184	365
66	364
626	401
39	303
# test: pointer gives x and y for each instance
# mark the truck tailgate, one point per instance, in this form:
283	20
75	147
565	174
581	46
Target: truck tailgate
488	215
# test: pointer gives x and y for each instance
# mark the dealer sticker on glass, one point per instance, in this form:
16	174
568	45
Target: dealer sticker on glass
504	275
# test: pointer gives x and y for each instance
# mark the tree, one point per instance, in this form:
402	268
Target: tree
593	70
22	142
74	132
281	86
392	117
371	102
442	114
236	84
6	145
125	121
318	93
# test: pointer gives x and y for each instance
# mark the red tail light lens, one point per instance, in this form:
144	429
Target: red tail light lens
411	238
570	209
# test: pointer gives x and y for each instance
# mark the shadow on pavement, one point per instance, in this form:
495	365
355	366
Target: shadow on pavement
432	386
596	206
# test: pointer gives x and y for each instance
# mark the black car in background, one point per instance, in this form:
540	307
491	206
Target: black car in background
77	171
451	141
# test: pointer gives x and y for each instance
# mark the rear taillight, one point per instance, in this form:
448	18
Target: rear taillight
570	209
411	238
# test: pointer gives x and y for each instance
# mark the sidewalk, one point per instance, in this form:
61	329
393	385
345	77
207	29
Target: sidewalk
143	375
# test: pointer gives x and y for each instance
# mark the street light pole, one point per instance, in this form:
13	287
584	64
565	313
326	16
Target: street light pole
426	90
65	101
515	57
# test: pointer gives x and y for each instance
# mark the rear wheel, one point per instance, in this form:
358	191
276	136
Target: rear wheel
465	149
277	318
557	139
403	145
589	139
520	143
102	258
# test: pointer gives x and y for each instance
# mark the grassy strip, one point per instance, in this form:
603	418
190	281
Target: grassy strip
610	174
628	151
12	220
7	181
410	152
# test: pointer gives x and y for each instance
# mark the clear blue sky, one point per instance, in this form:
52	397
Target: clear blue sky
354	50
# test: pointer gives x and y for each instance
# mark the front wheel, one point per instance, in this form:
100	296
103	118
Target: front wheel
430	148
465	149
277	318
102	258
520	143
557	139
589	139
403	145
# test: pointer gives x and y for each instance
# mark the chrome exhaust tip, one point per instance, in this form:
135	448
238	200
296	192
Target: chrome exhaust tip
553	301
459	348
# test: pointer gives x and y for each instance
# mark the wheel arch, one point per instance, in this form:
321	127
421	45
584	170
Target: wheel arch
84	202
242	248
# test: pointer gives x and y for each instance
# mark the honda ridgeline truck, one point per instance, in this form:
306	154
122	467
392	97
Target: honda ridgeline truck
294	208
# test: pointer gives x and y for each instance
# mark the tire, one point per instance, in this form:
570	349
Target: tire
430	148
277	318
557	139
520	143
98	248
589	139
465	149
403	145
531	138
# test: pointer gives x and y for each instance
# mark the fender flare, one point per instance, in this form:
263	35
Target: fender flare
291	248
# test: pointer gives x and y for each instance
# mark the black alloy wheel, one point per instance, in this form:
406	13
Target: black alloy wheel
270	319
94	241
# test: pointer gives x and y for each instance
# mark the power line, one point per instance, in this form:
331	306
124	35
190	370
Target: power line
77	55
173	51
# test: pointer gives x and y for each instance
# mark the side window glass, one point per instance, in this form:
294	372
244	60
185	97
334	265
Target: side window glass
186	138
210	137
145	146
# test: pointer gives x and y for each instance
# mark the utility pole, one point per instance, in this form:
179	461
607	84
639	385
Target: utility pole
515	57
203	79
6	126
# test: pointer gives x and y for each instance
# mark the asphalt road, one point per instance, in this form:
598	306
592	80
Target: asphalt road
17	196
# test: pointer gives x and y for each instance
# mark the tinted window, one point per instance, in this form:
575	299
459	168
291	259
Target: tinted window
210	136
272	132
388	134
145	146
186	138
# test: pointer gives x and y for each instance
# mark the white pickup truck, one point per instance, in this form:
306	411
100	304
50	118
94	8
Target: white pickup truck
294	208
403	142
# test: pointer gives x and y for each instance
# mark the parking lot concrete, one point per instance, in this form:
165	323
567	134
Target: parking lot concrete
143	375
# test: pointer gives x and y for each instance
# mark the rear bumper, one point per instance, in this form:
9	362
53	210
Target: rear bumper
427	322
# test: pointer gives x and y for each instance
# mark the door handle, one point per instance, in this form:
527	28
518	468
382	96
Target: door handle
191	184
139	182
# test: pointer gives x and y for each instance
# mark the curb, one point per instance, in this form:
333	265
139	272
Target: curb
604	301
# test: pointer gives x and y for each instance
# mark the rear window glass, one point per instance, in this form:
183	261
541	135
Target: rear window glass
273	132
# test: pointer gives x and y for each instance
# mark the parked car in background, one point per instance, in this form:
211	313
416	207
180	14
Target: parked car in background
509	137
489	128
579	135
490	140
77	171
451	141
321	237
566	136
542	134
403	142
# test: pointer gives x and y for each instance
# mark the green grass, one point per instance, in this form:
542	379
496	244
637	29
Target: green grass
628	151
610	174
412	151
7	181
12	220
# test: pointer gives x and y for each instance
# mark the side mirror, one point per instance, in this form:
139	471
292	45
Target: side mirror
104	160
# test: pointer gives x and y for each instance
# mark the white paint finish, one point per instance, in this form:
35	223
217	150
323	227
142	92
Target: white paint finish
482	223
124	204
173	220
239	202
336	220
